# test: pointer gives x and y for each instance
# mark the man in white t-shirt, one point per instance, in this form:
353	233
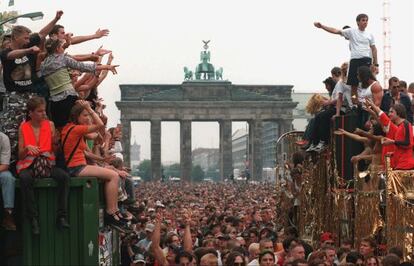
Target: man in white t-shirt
362	46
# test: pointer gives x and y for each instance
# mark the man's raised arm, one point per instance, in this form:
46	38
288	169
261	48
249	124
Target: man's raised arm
46	29
97	35
326	28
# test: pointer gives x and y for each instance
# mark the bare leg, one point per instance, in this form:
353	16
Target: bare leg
111	179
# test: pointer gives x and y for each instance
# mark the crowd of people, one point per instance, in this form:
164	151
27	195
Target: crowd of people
383	116
52	125
230	224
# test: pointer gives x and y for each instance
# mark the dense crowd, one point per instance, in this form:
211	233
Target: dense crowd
230	224
52	124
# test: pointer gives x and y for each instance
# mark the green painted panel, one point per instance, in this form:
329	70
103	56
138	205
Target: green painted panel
75	246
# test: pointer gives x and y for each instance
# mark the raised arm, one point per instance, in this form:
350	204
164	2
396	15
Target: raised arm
97	35
18	53
187	241
377	94
326	28
104	73
97	122
155	245
46	29
368	135
353	136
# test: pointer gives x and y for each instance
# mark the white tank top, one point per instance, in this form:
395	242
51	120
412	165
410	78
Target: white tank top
365	93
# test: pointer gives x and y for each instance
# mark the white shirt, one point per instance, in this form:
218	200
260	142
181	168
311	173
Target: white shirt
365	93
360	42
341	87
254	262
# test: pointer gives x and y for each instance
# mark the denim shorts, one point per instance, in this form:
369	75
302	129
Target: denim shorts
74	171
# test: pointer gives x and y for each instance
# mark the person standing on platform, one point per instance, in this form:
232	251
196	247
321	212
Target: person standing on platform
362	46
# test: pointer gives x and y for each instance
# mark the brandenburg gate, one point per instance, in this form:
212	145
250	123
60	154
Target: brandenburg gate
206	98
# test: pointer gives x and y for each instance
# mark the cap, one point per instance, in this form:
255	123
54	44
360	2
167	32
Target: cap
138	258
151	210
149	227
159	204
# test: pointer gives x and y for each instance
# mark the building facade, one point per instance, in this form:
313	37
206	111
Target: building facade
206	158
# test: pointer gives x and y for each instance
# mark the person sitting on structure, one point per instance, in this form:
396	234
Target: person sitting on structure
7	183
321	132
36	154
79	126
344	101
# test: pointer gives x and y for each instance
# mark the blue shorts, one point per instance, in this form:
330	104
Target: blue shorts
74	171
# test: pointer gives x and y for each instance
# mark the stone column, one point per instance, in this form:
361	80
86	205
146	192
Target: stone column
226	152
156	149
255	149
126	141
185	153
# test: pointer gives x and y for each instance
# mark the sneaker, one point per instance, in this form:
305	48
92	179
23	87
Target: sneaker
111	219
311	148
320	147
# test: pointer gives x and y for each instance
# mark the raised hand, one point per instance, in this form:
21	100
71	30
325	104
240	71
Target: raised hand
34	49
317	24
339	132
112	68
59	14
84	104
102	51
101	33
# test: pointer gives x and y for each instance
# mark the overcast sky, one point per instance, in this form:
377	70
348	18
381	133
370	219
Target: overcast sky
256	42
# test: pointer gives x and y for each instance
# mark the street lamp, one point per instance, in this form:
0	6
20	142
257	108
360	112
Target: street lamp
33	16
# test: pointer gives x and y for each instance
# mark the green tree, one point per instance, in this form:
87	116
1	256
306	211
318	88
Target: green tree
144	170
173	170
197	173
213	173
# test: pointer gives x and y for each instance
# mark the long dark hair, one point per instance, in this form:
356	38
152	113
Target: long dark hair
364	75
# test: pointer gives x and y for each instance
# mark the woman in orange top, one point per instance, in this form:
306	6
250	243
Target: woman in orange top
80	125
36	139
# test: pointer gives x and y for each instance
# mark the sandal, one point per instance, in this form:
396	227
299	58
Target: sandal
123	216
113	219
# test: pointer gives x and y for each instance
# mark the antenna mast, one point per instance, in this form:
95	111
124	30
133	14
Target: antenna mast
387	41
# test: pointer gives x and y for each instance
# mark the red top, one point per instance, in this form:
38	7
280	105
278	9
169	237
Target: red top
389	129
403	154
44	143
77	132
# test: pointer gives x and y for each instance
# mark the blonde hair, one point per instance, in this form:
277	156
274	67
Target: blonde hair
315	104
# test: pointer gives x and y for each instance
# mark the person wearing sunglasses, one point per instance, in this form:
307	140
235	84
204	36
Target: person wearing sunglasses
394	96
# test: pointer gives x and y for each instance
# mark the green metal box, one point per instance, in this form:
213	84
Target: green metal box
75	246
